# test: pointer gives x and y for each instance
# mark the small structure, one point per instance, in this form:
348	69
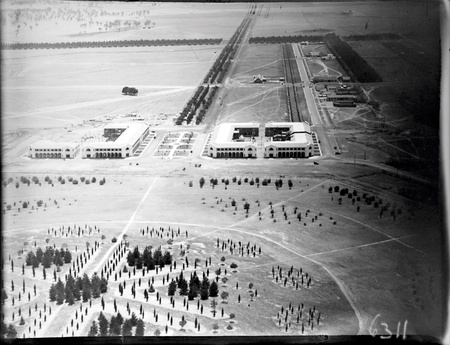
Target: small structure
325	79
304	43
334	97
52	149
315	54
328	57
258	79
344	79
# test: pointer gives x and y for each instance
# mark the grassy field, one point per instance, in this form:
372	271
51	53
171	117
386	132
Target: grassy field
350	262
95	21
329	238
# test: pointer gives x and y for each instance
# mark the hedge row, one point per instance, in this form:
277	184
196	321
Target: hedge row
112	44
353	64
285	39
208	102
373	37
220	67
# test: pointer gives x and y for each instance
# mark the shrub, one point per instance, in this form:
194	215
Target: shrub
82	178
232	316
93	180
229	327
114	240
233	265
75	181
87	182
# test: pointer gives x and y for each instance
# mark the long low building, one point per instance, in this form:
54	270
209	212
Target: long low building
53	149
270	140
123	140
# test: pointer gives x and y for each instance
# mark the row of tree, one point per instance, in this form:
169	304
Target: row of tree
222	63
353	64
113	44
196	101
194	288
374	37
49	257
75	289
201	114
148	258
214	182
285	39
117	326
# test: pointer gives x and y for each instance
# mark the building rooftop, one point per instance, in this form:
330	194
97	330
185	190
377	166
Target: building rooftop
223	133
133	132
50	144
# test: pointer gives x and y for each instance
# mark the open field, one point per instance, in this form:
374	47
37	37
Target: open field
347	245
401	17
98	21
265	59
341	241
57	86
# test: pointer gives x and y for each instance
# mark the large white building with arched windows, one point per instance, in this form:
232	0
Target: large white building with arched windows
122	141
269	140
53	149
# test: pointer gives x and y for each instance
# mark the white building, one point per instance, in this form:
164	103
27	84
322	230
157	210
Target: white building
234	140
288	140
122	140
52	149
270	140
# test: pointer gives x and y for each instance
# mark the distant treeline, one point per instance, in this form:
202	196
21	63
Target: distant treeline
373	37
113	44
353	64
285	39
220	67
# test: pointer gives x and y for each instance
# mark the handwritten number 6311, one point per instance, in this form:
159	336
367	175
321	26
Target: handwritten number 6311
373	331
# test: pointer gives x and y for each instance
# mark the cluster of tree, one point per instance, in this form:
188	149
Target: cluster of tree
49	257
194	288
285	39
117	326
113	44
76	289
214	182
374	37
131	91
201	114
353	64
222	63
148	259
7	331
195	102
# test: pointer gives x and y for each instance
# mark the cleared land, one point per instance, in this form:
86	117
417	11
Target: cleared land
340	240
361	261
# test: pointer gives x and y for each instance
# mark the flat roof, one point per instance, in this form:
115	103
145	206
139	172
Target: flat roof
301	134
132	133
50	144
223	133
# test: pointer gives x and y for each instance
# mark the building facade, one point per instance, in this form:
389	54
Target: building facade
270	140
122	141
52	149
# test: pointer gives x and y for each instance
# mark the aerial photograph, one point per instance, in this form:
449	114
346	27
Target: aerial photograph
188	170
